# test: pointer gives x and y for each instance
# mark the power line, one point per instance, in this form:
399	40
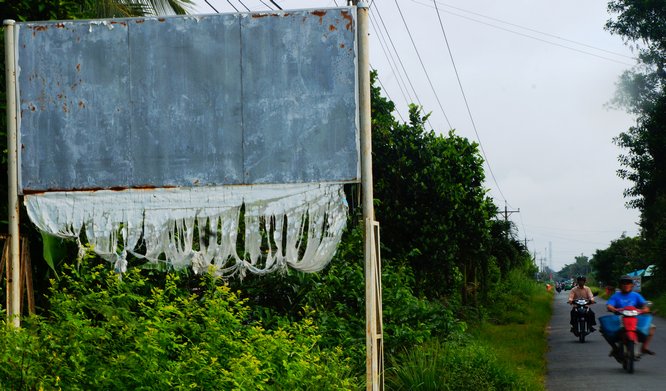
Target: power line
529	29
211	6
398	56
391	61
232	6
387	94
267	6
469	112
248	10
423	65
538	39
275	4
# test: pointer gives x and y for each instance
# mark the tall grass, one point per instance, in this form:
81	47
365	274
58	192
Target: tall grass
443	366
520	337
506	352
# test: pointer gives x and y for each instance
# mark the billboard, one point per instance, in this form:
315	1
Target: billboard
188	101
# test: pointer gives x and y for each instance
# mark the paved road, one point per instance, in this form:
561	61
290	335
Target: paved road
586	366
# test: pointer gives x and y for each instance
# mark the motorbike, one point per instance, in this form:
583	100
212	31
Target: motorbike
623	331
581	328
558	288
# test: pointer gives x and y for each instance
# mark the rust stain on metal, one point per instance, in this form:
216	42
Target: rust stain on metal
95	189
139	21
120	23
348	17
161	19
82	105
78	67
60	25
320	14
332	28
32	107
263	15
150	187
65	108
342	46
38	28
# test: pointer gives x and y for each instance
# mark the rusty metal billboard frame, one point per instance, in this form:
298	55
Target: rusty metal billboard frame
221	99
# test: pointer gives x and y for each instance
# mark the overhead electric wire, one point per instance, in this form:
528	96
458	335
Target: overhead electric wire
423	65
526	28
275	4
387	94
232	6
469	112
398	56
391	61
211	6
267	6
536	38
248	10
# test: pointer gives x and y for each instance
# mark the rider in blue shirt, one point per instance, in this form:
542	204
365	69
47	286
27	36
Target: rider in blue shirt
627	297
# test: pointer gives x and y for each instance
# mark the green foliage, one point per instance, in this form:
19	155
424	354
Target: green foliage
444	366
508	300
581	267
624	255
642	91
103	332
335	299
432	205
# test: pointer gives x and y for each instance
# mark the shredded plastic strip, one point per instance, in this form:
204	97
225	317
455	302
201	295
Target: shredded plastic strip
296	225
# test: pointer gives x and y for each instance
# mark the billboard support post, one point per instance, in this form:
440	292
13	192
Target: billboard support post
13	266
372	314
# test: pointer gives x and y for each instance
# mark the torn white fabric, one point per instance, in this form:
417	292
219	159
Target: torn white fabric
299	225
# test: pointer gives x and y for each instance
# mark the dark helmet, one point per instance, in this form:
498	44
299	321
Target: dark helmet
581	278
626	280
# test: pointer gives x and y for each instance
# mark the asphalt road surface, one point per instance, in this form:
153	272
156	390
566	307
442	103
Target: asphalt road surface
586	366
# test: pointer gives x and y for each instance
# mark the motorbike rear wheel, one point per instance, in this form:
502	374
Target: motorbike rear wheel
582	330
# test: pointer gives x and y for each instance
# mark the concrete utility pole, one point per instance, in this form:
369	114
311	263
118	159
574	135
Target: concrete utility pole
373	310
13	277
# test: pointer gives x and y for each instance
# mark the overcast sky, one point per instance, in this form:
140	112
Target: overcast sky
537	75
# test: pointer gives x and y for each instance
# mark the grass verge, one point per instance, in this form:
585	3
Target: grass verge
522	344
506	354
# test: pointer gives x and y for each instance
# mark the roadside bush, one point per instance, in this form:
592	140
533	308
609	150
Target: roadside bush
336	297
510	294
102	332
452	365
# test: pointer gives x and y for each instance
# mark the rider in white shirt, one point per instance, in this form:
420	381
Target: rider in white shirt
581	291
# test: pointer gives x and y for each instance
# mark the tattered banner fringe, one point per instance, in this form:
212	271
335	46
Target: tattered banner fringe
299	225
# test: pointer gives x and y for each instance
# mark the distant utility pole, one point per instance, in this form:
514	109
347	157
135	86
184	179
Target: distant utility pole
507	212
527	240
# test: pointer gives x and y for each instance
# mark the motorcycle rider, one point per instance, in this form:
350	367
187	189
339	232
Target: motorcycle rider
581	291
627	297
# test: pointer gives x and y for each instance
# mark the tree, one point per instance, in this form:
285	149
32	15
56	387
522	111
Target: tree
621	257
642	91
433	208
581	267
